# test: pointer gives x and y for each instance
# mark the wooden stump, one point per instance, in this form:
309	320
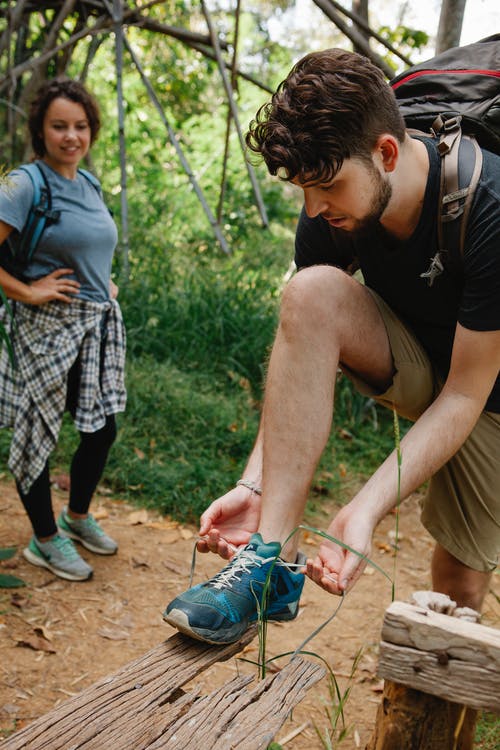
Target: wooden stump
408	719
439	671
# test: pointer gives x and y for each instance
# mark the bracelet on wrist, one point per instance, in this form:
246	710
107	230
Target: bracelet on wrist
249	485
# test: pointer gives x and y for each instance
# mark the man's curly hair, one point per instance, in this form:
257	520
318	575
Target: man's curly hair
332	106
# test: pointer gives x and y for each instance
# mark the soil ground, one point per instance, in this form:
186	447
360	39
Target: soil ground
51	630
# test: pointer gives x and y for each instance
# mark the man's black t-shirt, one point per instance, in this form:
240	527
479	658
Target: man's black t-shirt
392	267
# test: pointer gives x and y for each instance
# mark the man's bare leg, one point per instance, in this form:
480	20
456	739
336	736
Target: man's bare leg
467	587
327	318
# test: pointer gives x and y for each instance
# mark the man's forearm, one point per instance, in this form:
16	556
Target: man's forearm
428	445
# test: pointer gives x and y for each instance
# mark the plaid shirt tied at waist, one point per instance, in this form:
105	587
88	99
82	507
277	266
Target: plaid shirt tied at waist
47	340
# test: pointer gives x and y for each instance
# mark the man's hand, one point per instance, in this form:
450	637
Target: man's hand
229	522
55	286
335	568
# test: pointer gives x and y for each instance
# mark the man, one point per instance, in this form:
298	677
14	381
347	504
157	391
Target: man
432	351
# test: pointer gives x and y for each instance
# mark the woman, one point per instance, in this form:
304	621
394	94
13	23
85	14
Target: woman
68	336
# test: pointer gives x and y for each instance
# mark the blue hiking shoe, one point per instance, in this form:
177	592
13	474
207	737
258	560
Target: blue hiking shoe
221	609
59	556
86	531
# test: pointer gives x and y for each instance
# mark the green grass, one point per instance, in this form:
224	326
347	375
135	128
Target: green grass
488	732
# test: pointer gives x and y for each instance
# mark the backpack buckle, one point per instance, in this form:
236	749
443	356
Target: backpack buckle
442	126
453	123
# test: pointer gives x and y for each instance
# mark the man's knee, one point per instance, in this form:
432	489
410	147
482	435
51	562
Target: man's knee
314	297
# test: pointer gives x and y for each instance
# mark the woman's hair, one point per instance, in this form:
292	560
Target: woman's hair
332	106
63	88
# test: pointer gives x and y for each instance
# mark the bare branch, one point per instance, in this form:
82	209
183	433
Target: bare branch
355	37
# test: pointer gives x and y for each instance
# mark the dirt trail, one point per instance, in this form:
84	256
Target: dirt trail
52	630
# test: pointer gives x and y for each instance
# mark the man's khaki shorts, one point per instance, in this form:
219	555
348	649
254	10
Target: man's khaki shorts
461	508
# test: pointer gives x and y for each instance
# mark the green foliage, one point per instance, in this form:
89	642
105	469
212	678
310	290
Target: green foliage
8	581
183	440
199	324
7	552
487	732
202	318
337	730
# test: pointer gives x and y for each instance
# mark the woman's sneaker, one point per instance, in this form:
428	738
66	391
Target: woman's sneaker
59	556
88	532
222	609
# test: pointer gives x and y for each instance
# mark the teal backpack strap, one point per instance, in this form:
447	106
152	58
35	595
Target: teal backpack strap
40	214
95	184
92	179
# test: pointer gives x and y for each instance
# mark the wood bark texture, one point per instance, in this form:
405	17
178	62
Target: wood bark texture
411	720
143	706
441	655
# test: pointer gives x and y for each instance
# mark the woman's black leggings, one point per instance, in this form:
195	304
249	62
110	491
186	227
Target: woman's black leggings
86	470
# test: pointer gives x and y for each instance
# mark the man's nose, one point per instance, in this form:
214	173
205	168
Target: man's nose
314	202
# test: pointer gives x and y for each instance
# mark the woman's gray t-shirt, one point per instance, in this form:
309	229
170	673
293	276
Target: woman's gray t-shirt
84	237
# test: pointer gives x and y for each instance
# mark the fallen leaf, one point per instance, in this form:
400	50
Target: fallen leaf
37	643
186	533
344	434
18	600
383	547
113	634
140	454
139	563
137	517
162	525
101	490
100	513
378	687
42	631
9	708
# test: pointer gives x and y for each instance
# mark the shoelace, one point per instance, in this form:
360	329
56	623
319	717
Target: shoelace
244	561
66	547
88	522
92	523
226	574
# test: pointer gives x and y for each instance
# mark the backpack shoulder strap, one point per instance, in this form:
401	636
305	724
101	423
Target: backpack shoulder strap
92	179
39	181
461	164
40	214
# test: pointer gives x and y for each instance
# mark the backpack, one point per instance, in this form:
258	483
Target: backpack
18	249
455	97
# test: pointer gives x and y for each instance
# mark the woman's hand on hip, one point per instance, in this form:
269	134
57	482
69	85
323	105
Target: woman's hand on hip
55	286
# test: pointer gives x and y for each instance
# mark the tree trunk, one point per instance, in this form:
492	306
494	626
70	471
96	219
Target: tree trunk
407	718
450	24
360	9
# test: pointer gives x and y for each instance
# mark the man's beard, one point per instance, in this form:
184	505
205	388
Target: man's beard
382	195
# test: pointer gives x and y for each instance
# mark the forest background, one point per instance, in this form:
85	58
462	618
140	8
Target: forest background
201	320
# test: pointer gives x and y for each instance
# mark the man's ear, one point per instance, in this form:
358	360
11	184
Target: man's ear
387	150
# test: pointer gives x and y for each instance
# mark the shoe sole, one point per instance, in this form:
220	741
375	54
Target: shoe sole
179	619
84	543
41	563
